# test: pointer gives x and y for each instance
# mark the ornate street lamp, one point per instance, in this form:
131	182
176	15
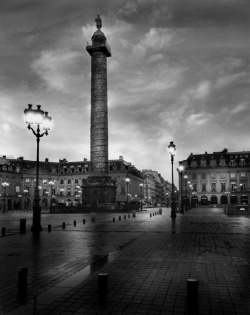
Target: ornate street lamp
40	120
51	185
127	180
241	188
180	170
190	188
172	151
78	193
141	185
5	185
25	198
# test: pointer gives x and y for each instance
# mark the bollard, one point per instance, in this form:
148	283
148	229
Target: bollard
192	292
113	219
160	211
83	221
22	225
134	213
125	217
129	216
63	225
150	215
3	231
102	284
74	223
153	214
119	218
22	282
49	228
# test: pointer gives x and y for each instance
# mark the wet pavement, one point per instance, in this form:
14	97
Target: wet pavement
148	260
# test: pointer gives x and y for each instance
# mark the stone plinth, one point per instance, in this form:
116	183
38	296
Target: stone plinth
99	194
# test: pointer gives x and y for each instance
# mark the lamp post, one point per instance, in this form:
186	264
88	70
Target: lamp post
141	185
241	187
25	198
5	185
180	170
190	188
41	120
172	151
228	196
51	185
127	180
78	194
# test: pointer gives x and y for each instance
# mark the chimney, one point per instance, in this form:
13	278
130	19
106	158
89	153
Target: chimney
120	158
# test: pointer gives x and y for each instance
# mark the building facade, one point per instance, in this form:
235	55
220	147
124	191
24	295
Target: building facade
216	178
60	182
156	189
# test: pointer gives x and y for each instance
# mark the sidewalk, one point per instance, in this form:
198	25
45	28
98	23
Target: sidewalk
148	261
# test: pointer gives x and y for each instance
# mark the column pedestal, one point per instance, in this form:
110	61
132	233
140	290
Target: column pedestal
99	194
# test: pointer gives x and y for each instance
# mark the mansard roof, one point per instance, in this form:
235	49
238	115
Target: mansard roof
218	156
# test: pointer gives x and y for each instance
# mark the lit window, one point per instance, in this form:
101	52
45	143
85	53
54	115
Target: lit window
44	181
27	180
213	175
18	189
243	186
232	175
242	174
222	175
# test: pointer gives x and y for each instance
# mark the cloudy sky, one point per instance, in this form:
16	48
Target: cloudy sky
179	72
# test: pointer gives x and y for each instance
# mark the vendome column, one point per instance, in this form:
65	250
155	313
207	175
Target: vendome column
99	190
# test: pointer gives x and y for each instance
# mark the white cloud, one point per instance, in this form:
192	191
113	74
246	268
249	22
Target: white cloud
58	68
201	91
198	119
156	39
229	79
240	107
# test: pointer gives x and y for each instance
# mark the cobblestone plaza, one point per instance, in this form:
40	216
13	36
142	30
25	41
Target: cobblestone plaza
148	259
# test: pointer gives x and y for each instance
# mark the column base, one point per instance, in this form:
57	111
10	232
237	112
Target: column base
99	194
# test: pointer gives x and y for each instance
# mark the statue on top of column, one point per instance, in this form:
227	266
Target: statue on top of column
98	21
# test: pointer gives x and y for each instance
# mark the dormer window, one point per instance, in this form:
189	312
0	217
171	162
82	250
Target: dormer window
213	162
222	161
242	162
203	162
232	163
193	163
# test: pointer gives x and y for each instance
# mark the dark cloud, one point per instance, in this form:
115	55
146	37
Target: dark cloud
179	71
213	12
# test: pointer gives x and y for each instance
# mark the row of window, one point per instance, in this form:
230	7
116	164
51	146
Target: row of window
222	175
233	187
45	181
213	163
